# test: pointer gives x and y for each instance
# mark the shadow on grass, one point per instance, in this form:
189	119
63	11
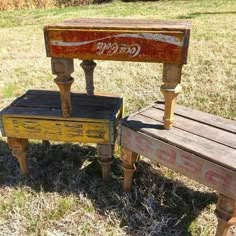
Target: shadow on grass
156	205
198	14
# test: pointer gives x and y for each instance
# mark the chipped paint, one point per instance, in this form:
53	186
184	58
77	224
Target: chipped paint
156	37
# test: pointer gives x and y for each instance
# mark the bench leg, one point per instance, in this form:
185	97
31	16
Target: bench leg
226	214
171	88
128	165
19	149
105	158
88	67
63	69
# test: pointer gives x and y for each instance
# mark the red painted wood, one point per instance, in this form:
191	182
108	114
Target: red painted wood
210	174
165	45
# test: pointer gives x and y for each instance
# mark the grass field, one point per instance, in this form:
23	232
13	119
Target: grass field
64	194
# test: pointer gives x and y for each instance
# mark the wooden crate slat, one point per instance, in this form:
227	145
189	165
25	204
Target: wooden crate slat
195	127
82	95
77	114
78	100
57	130
206	118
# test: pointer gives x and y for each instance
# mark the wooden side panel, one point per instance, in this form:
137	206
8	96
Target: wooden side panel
140	46
57	130
210	174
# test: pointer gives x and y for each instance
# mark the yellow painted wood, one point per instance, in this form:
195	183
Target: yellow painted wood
68	131
57	118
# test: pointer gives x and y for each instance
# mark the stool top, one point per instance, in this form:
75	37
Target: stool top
119	24
119	39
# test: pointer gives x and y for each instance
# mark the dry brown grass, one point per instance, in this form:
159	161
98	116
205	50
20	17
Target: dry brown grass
64	195
32	4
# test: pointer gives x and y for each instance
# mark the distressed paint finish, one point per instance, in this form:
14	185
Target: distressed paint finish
210	174
112	39
68	131
109	45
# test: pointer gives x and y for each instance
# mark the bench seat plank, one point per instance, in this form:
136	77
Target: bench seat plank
199	116
195	127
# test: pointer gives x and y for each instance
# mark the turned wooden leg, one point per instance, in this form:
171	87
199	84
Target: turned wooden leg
128	165
63	69
105	158
19	149
88	67
171	88
226	214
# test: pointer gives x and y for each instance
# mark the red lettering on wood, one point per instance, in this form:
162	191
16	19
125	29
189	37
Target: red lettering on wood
190	165
167	156
218	179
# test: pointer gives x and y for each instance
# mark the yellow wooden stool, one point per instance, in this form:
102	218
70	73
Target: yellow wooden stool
38	115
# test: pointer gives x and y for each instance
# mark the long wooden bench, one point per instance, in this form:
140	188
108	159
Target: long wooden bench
200	146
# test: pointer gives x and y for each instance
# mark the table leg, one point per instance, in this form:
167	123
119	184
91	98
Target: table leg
171	88
88	67
105	158
226	214
128	165
19	149
63	69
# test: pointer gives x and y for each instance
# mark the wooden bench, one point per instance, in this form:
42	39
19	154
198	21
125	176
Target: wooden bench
37	115
200	146
134	40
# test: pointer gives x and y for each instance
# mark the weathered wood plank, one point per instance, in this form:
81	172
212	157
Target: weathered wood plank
116	23
195	127
88	40
191	165
57	130
203	117
56	114
81	95
78	100
195	144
